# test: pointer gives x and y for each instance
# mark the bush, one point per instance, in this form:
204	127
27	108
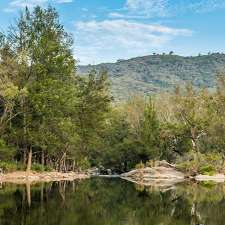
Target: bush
150	163
206	164
8	167
83	164
140	165
6	152
37	167
40	168
21	167
188	166
48	168
207	170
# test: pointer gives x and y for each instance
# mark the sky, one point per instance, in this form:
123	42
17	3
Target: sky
108	30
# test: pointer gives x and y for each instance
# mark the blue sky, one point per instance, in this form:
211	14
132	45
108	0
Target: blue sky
107	30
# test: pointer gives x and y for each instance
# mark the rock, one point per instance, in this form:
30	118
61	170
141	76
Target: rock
166	175
94	171
109	172
164	163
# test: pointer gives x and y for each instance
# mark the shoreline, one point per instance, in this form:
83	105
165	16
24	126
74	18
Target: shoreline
23	177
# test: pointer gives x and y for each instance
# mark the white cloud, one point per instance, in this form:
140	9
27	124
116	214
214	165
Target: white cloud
149	8
201	6
18	4
64	1
23	3
112	39
117	15
142	9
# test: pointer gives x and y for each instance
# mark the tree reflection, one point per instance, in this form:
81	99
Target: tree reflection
111	202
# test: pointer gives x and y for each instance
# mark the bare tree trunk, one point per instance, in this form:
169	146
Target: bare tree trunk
29	161
62	162
73	165
42	159
24	157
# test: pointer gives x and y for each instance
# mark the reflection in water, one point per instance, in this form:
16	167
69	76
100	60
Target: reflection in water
111	202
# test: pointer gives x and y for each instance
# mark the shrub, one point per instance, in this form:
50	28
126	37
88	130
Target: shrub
206	164
83	164
8	167
21	166
188	166
140	165
37	167
207	170
150	163
6	152
48	168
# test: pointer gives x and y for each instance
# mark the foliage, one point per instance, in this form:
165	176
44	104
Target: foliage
140	165
206	164
8	166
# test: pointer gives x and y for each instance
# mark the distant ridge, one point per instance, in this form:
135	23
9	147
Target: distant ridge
155	73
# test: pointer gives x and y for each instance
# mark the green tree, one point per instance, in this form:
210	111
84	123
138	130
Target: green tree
150	132
44	50
92	108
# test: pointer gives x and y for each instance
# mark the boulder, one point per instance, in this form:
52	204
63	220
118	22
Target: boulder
163	173
158	172
164	163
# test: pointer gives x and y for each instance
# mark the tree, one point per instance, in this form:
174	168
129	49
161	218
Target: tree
92	109
191	113
43	49
150	132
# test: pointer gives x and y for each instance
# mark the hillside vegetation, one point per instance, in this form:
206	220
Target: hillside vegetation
155	73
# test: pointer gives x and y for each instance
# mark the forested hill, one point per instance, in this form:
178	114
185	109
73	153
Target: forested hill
155	73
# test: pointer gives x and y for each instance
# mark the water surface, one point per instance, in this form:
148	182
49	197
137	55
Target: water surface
103	201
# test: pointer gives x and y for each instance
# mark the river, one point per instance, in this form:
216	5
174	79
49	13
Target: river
111	201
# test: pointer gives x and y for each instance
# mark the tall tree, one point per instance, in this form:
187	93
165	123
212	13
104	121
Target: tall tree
150	132
92	109
43	48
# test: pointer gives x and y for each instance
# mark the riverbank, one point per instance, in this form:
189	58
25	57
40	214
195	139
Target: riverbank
148	176
33	177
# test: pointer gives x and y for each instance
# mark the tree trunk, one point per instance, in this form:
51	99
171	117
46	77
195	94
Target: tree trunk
29	161
42	159
73	165
24	157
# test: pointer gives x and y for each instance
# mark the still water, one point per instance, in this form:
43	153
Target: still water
103	201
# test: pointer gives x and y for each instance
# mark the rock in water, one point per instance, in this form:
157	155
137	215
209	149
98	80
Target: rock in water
166	174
